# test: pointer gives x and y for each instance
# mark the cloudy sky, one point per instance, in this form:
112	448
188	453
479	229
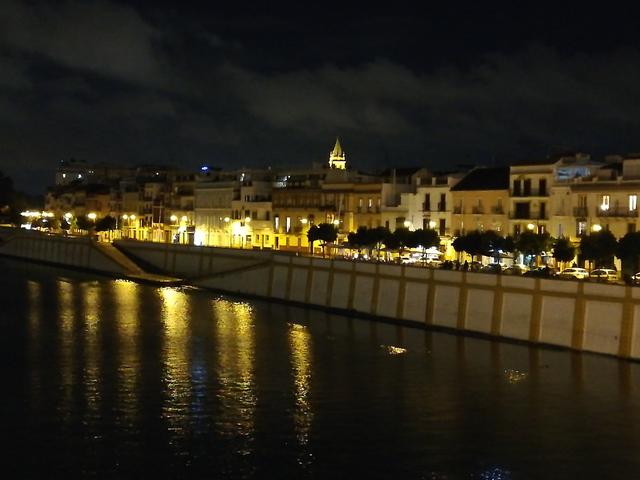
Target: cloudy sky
158	82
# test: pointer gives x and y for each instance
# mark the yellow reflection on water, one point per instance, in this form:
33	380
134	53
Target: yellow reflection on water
34	319
66	321
125	295
35	312
236	353
175	318
300	345
91	307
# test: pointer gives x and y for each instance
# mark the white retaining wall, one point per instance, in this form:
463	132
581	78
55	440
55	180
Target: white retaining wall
580	315
78	252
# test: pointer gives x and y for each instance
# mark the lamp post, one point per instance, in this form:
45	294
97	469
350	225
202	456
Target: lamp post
173	219
304	223
227	220
247	221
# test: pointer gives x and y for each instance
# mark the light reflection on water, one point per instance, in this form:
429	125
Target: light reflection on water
110	377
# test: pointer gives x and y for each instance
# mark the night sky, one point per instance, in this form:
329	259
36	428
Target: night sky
159	82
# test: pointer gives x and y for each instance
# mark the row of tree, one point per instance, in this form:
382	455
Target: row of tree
597	247
375	238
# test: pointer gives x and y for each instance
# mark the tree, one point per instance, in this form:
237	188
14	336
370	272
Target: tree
425	238
628	252
83	223
599	247
313	235
532	244
328	233
105	224
563	250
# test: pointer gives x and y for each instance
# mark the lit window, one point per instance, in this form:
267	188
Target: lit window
370	202
582	227
606	199
633	202
276	221
288	224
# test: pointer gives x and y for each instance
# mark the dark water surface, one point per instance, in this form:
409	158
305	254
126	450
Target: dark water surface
110	379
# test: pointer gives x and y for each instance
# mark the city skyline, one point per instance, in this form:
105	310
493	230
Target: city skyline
135	82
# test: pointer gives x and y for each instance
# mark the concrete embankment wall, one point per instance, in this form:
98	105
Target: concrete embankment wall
75	252
580	315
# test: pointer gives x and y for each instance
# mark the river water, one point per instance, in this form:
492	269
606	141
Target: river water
110	379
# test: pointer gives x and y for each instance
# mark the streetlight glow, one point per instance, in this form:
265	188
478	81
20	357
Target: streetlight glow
92	216
596	227
531	226
173	218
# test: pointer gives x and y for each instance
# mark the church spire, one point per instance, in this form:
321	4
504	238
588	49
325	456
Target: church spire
337	157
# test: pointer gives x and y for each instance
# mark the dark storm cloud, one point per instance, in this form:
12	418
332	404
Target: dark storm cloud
108	82
102	37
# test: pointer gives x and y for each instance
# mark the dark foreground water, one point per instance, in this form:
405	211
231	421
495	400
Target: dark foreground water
110	379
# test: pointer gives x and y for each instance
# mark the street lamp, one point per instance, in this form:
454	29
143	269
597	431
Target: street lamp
596	227
227	220
407	223
530	226
432	224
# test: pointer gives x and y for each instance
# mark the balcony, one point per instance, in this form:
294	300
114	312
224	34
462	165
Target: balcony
528	216
457	210
498	210
581	212
616	212
440	207
530	193
477	210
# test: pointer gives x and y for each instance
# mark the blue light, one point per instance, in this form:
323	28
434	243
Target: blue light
204	169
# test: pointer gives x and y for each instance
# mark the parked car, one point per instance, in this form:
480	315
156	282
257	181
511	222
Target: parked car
574	272
606	274
492	268
516	269
542	272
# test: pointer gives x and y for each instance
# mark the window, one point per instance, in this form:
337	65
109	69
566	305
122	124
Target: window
276	223
427	202
516	188
288	224
633	202
543	187
604	204
581	228
631	228
370	202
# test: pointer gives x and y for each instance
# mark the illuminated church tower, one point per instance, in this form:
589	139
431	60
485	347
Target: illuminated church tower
337	158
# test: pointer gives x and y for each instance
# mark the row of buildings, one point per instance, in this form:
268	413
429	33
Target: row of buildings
566	195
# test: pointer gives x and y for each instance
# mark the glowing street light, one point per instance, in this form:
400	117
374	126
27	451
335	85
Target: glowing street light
92	216
304	221
336	222
184	218
432	224
68	216
174	218
530	226
125	217
407	223
247	220
596	227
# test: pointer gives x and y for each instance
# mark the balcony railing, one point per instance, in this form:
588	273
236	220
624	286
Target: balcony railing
531	193
616	212
580	212
528	216
477	210
497	210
